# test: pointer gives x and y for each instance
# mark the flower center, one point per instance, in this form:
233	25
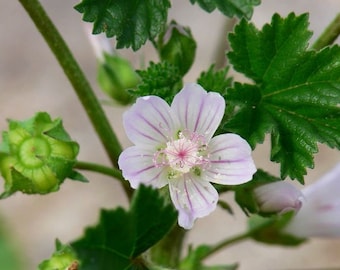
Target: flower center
182	155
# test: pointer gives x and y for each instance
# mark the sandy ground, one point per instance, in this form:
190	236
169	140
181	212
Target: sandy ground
31	80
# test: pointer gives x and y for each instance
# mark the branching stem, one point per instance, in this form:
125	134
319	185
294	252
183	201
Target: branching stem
329	35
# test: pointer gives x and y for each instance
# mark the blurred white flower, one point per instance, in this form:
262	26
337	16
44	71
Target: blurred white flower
278	197
319	215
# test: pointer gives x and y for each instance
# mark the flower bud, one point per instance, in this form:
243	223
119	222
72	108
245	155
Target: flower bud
178	47
278	197
64	258
115	76
36	155
319	215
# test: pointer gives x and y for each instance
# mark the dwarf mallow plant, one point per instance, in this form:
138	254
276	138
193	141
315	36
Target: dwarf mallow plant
174	146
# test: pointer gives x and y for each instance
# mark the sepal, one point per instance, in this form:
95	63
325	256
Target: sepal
64	258
271	230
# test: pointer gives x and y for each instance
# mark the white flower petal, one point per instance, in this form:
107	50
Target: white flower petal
230	160
199	111
319	215
150	122
138	168
193	198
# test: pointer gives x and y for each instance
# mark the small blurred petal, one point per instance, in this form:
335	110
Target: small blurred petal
99	42
319	215
278	197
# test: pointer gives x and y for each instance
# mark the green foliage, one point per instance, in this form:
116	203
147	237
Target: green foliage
215	80
162	79
244	195
270	230
121	236
295	95
194	260
10	258
132	22
230	8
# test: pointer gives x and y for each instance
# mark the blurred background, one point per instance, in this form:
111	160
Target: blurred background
31	81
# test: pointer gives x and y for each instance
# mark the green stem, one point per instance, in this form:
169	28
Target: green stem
329	35
225	243
89	166
76	77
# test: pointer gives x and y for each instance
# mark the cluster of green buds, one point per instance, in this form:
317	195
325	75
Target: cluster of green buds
36	155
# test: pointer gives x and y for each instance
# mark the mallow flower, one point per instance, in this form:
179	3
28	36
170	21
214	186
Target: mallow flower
319	215
174	146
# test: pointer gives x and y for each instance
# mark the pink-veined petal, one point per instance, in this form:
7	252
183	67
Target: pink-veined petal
199	111
319	215
193	198
138	168
150	122
230	160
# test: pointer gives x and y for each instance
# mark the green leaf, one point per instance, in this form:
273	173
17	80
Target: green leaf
162	79
121	236
132	22
230	8
269	230
215	80
295	95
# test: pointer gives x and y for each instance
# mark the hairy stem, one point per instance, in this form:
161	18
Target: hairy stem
329	35
76	77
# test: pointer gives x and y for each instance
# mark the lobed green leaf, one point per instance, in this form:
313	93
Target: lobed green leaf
295	95
132	22
230	8
121	236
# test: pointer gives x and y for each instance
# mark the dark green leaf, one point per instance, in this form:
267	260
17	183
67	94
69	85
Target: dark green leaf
230	8
161	79
296	94
121	236
132	22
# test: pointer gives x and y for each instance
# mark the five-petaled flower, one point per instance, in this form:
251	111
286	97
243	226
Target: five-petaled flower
174	145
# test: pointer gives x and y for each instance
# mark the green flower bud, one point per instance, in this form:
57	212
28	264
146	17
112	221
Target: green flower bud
64	258
115	76
178	47
36	155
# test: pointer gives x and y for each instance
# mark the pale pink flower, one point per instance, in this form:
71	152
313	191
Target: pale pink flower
173	146
279	197
319	215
